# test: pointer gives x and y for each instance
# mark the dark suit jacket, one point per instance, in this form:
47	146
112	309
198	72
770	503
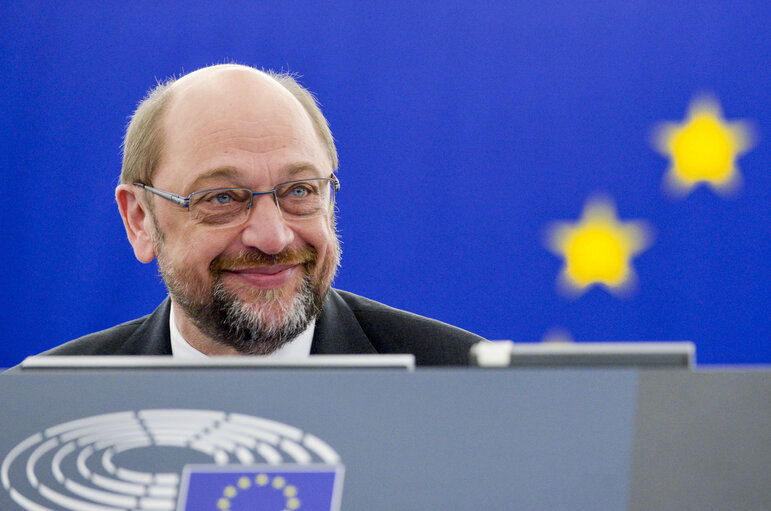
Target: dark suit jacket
348	324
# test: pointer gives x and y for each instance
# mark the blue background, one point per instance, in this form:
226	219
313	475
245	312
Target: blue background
464	129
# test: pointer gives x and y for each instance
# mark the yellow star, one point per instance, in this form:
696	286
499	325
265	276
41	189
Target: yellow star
703	149
597	249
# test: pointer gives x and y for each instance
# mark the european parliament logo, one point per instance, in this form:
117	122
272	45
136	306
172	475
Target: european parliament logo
171	459
266	487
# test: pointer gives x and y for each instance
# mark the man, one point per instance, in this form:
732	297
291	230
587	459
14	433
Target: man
228	180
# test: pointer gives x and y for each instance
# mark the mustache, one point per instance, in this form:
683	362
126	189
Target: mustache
252	258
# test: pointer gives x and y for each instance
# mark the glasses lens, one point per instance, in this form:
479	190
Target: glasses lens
305	199
222	206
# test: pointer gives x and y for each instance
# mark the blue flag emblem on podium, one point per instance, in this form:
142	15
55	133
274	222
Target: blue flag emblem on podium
264	487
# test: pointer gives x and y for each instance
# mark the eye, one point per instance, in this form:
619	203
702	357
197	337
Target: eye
222	198
299	191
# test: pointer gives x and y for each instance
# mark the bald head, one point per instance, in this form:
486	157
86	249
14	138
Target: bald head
218	87
222	73
213	92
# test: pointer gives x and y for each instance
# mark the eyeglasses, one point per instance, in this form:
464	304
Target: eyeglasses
227	207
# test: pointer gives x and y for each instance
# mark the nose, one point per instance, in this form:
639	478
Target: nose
265	229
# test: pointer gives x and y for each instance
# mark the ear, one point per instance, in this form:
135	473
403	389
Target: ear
137	221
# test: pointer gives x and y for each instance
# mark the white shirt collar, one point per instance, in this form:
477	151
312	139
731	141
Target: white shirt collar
299	347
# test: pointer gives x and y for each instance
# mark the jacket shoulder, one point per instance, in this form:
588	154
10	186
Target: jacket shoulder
392	330
104	342
148	335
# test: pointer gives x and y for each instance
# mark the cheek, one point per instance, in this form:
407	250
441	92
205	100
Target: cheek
195	249
326	244
319	236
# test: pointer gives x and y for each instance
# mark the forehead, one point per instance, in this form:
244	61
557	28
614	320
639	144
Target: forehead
240	120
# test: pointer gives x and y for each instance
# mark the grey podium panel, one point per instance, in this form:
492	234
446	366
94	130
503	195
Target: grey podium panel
449	439
703	441
460	439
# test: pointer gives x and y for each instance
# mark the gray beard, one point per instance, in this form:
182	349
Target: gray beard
245	326
248	327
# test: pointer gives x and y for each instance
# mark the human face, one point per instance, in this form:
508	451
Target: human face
254	286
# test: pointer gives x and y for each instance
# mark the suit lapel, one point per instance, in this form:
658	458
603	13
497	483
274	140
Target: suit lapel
338	331
153	337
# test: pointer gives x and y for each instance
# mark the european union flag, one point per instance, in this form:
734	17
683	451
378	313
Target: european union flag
265	487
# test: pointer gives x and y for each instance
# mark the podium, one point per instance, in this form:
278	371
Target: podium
438	439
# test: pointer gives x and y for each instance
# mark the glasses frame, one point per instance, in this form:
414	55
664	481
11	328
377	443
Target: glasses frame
184	202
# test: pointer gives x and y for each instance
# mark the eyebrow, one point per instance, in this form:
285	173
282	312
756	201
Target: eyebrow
293	170
290	171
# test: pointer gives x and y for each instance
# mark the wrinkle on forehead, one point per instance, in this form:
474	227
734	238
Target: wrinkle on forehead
235	113
232	97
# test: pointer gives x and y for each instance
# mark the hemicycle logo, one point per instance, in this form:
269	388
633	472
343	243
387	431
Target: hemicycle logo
139	460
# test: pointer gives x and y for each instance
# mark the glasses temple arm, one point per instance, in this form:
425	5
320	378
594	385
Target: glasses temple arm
173	197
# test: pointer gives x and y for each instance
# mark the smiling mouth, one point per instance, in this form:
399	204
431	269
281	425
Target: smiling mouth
272	276
271	269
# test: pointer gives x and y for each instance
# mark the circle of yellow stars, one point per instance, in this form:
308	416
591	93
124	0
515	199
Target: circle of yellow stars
703	149
598	249
244	483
